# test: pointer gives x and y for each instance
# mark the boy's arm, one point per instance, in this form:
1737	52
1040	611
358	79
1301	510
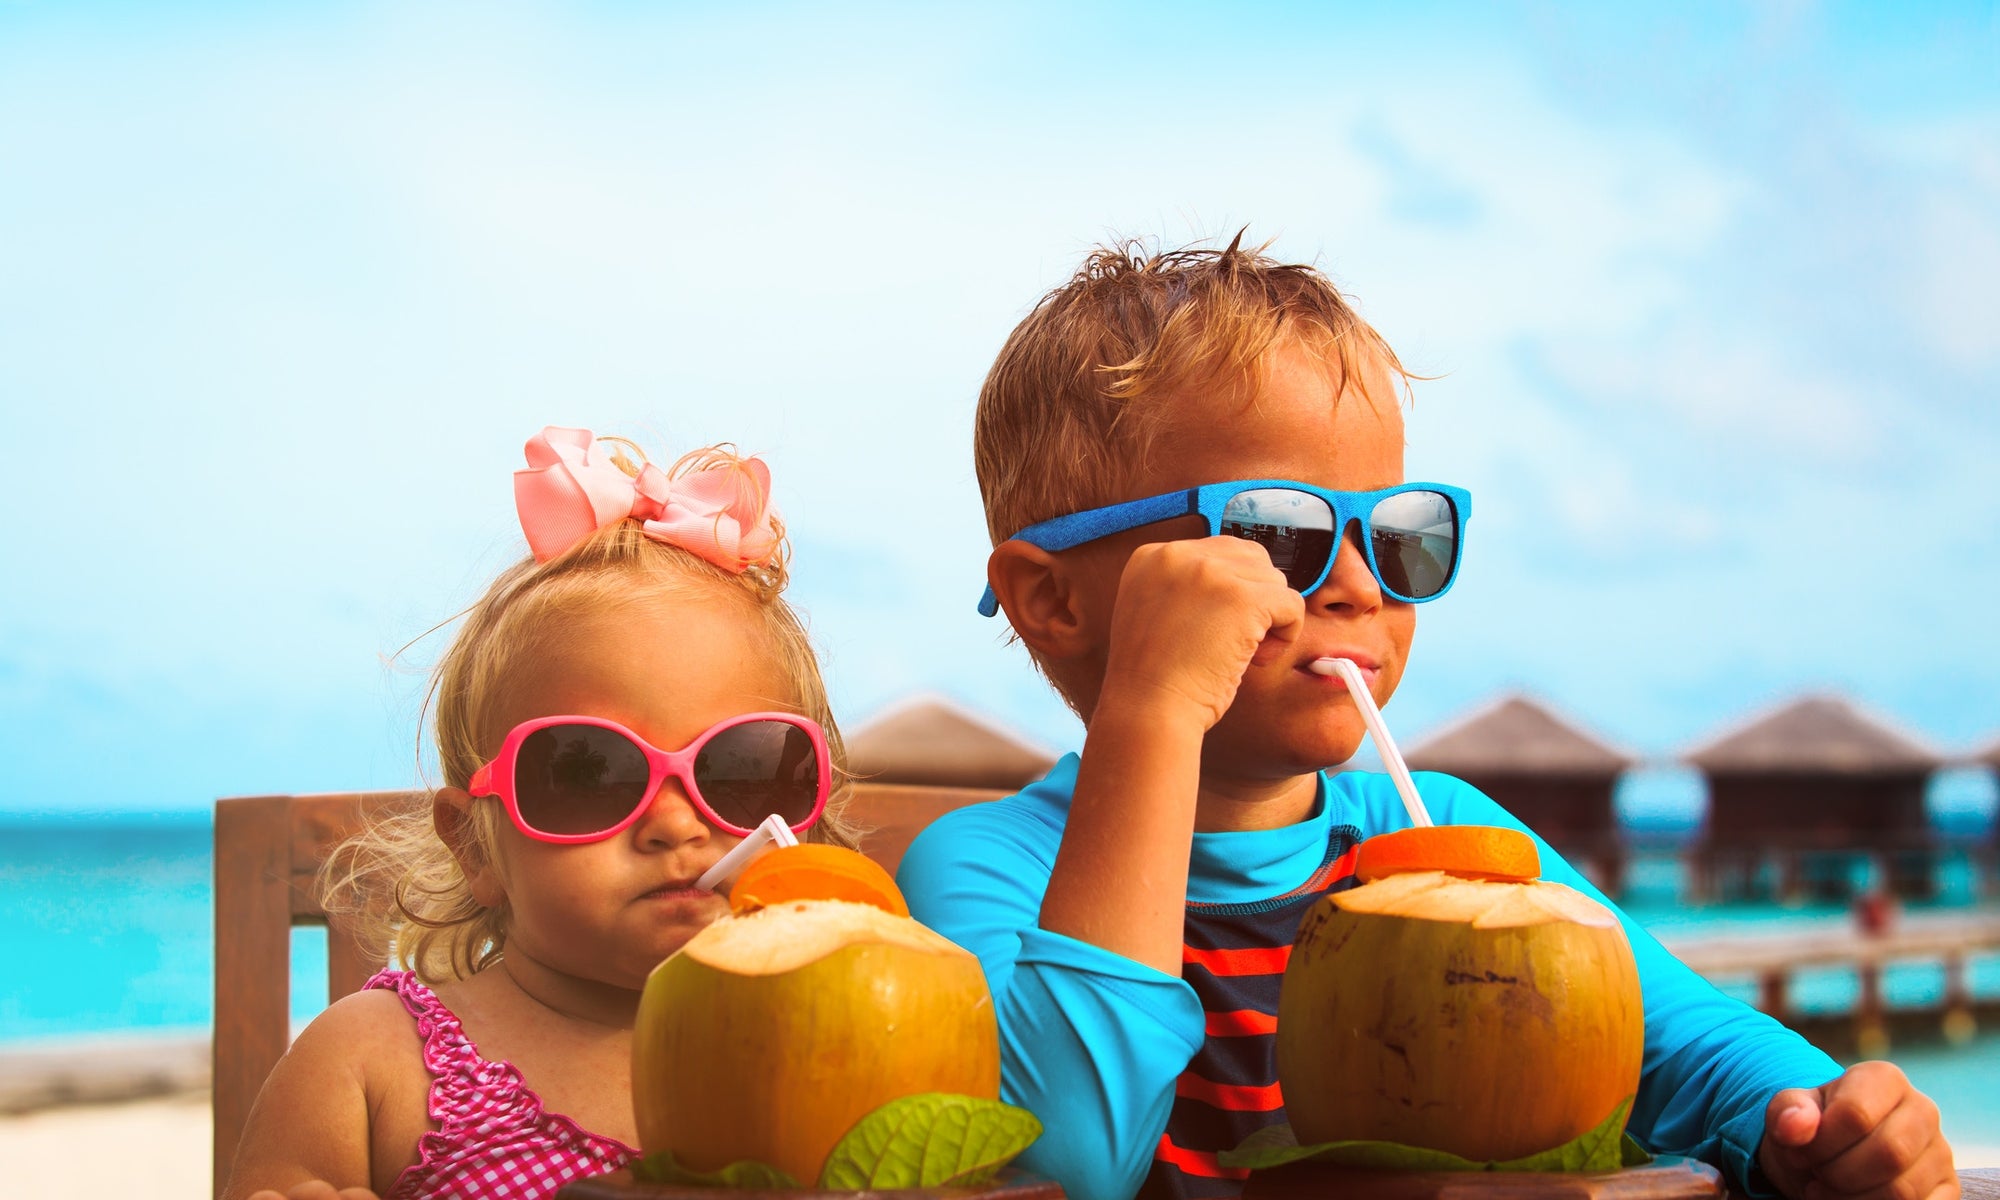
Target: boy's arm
1090	1042
1095	1022
1190	617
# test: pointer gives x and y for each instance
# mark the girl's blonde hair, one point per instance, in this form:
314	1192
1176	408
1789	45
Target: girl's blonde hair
397	885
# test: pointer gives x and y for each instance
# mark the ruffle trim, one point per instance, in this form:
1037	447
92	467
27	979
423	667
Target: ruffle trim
460	1078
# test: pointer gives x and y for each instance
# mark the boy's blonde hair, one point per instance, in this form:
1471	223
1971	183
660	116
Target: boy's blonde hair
1063	420
397	885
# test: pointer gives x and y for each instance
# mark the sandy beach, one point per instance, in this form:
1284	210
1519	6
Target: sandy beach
159	1149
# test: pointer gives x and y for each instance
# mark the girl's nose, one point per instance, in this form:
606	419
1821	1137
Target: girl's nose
1350	586
670	820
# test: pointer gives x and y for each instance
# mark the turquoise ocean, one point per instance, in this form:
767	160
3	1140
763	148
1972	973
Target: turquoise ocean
106	925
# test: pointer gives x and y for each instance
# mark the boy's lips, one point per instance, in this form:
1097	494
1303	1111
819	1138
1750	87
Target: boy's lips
1369	664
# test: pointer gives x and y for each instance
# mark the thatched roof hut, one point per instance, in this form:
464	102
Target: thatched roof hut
1819	735
1819	776
935	741
1546	770
1516	736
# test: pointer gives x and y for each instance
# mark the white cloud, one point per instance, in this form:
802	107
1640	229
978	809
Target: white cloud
310	285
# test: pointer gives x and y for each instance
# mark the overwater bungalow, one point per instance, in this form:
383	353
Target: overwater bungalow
1544	769
933	741
1988	856
1814	793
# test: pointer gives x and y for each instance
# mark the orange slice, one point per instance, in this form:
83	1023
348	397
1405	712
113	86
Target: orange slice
810	871
1469	851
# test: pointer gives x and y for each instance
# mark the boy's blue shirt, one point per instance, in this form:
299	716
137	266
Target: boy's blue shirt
1092	1042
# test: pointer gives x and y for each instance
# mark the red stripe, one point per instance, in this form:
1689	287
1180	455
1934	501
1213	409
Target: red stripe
1197	1162
1256	960
1243	1022
1233	1097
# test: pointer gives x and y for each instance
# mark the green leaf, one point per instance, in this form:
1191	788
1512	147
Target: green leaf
1277	1145
929	1140
660	1167
1598	1150
1631	1153
1601	1149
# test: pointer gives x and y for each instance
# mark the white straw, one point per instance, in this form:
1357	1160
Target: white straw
768	836
1392	758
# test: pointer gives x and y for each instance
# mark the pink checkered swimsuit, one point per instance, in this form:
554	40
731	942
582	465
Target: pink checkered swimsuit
494	1140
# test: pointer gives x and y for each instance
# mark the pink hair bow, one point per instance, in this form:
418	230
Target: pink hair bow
573	488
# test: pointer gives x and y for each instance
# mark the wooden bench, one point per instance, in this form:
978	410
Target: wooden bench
268	850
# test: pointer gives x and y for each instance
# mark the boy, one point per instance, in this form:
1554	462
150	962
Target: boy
1133	909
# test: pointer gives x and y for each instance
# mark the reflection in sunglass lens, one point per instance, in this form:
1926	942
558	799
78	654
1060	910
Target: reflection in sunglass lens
1295	528
749	771
1415	542
578	779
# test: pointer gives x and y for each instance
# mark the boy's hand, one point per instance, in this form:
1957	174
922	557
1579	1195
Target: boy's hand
1191	617
1867	1133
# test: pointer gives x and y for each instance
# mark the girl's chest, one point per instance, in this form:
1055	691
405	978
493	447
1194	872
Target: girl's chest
587	1080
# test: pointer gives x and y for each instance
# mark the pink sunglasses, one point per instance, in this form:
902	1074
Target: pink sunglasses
584	779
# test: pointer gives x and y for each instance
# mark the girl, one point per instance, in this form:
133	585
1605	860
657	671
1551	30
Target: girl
616	713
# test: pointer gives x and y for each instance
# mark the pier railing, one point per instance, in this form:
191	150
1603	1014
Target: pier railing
1772	961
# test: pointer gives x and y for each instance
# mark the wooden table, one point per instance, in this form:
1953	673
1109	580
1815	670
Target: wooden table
1667	1178
1292	1183
619	1185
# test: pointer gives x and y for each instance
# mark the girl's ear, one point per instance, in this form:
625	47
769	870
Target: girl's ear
1040	598
451	815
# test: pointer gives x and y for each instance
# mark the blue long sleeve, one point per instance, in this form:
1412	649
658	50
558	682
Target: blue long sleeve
1092	1042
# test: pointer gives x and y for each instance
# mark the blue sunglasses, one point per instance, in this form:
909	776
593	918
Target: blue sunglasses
1411	533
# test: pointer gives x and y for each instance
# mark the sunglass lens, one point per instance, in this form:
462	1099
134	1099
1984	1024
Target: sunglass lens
572	780
1415	542
1295	528
749	771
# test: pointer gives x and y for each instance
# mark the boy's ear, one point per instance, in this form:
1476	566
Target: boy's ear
1040	599
451	816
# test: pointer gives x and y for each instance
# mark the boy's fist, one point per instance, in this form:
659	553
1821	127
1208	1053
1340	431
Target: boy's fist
1867	1133
1190	618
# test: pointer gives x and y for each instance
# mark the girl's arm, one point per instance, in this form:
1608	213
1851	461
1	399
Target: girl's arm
311	1122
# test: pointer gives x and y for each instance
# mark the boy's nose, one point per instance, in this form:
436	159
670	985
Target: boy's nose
670	820
1350	586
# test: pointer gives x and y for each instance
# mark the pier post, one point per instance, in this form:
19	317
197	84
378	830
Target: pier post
1959	1025
1871	1031
1771	992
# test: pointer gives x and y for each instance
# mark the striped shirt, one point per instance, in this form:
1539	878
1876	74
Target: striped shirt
1234	956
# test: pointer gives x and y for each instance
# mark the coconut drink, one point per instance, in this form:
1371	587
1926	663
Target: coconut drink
1456	1002
775	1033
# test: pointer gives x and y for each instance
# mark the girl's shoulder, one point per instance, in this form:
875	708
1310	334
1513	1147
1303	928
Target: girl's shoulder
361	1026
372	1037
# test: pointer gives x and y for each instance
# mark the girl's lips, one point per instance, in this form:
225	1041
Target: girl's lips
677	892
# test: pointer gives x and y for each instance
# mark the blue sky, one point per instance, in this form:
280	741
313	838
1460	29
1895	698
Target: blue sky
1709	292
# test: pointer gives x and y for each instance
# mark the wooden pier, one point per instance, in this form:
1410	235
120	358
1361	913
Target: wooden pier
1771	960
